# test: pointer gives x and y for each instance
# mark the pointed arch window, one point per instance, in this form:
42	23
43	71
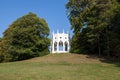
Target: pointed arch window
66	46
60	46
55	46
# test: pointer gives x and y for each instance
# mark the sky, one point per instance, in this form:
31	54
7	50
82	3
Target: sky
53	11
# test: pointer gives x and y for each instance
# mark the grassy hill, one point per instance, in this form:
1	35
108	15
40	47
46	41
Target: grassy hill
60	67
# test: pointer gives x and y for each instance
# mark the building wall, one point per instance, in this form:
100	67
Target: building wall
60	40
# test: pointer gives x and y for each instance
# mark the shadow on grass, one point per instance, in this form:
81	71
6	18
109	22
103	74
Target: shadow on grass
104	59
111	61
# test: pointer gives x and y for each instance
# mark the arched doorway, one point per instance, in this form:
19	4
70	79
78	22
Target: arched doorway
60	46
55	46
66	46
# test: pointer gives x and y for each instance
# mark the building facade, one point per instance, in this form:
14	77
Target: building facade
60	42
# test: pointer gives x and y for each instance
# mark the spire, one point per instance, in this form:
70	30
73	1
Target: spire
53	32
63	31
57	31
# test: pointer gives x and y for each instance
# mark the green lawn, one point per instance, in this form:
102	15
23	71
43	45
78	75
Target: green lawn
59	67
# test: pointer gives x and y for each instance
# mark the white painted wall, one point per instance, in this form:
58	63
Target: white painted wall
60	39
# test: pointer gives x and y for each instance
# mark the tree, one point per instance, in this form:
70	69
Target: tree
91	19
1	56
0	39
77	13
25	38
115	32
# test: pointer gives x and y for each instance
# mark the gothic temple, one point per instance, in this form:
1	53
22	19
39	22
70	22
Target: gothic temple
60	42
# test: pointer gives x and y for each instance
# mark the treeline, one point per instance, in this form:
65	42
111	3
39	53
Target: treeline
96	26
25	38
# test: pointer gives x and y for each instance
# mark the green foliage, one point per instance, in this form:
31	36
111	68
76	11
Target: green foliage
96	25
25	38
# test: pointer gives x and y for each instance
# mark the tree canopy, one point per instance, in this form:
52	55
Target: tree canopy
25	38
96	26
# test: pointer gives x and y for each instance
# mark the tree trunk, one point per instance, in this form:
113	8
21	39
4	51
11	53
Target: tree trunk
99	49
108	46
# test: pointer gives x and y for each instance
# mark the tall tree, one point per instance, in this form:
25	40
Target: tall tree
115	32
25	38
77	11
91	19
0	39
99	21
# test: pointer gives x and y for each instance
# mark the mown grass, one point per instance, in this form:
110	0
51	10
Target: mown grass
59	70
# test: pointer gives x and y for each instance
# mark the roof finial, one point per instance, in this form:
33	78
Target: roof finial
53	32
57	31
63	31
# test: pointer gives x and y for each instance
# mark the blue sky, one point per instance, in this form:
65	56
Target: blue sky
53	11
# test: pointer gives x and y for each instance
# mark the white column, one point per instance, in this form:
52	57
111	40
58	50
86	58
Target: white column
63	46
57	46
68	47
52	47
52	42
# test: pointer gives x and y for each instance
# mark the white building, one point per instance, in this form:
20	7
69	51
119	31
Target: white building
60	43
